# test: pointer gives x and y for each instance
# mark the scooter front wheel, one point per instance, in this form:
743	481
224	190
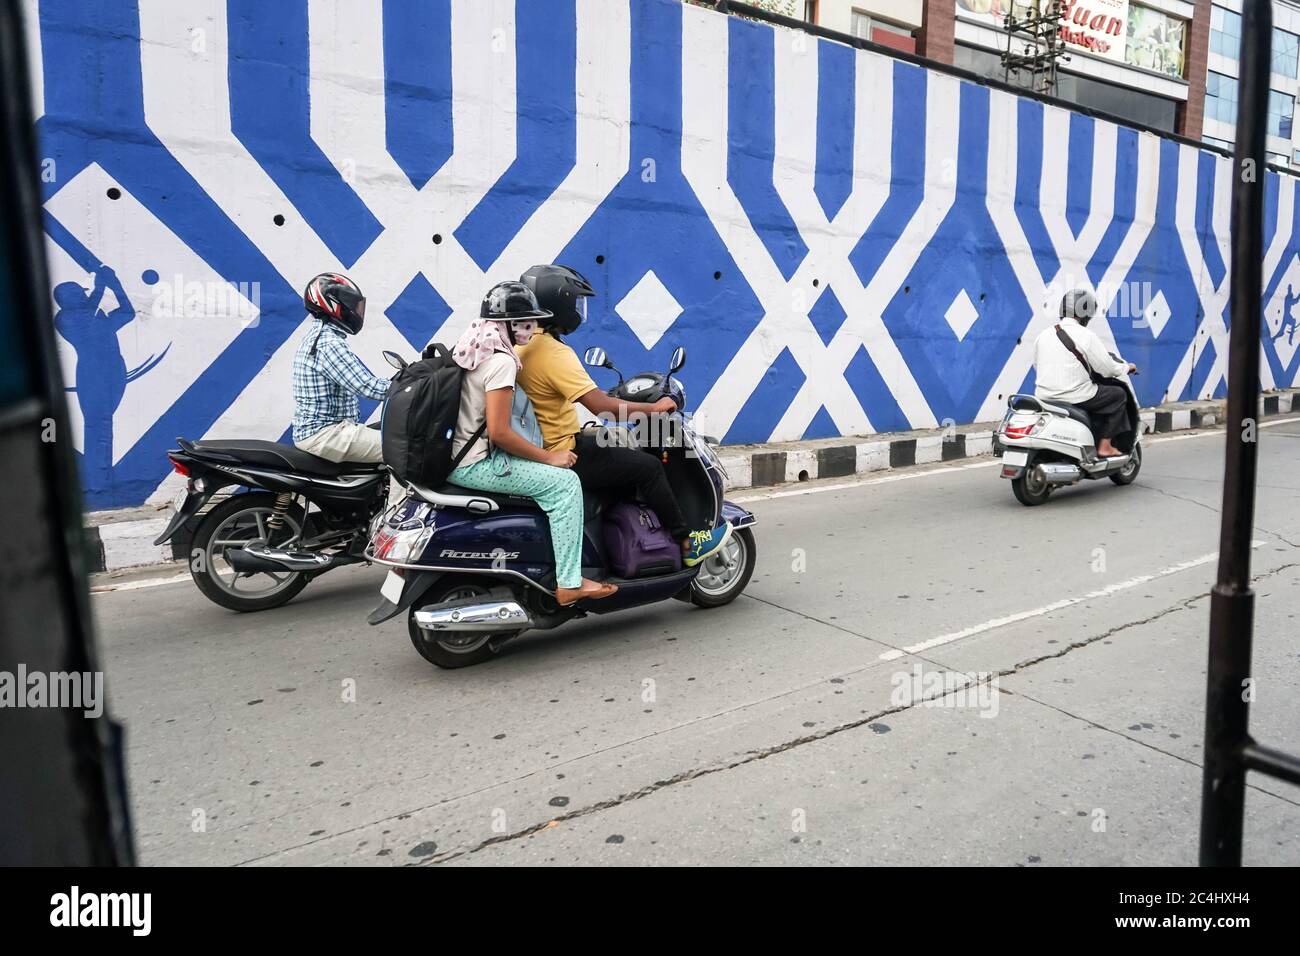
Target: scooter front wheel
724	575
1128	474
1031	488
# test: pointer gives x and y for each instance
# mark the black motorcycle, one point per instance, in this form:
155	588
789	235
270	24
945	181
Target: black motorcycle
292	517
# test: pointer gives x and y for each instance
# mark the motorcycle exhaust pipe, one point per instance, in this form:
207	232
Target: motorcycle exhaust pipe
488	616
255	558
1057	473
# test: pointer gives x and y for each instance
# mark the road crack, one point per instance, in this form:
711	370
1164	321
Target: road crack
785	746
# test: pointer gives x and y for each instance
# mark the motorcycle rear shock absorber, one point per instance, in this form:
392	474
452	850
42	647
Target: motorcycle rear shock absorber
276	521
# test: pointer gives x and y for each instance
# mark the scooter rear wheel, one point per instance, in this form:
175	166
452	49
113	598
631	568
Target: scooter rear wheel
1031	488
448	649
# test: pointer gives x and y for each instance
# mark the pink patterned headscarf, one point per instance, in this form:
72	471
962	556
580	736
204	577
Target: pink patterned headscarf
485	336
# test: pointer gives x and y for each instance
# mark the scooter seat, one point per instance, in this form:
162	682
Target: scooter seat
1071	411
277	455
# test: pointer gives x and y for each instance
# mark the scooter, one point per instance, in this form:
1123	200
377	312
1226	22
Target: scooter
293	517
473	570
1048	445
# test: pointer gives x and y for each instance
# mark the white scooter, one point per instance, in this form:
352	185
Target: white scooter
1047	445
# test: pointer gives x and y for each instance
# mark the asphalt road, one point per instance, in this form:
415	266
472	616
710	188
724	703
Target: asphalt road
782	729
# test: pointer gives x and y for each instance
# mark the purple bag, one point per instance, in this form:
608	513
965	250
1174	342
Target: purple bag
637	543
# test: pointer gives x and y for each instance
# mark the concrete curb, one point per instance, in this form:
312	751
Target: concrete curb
124	539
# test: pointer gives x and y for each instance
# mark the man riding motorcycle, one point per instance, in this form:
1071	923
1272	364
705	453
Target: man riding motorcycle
1071	362
328	376
554	379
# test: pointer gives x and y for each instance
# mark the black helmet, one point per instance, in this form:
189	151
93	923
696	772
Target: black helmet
511	302
563	292
336	298
1079	304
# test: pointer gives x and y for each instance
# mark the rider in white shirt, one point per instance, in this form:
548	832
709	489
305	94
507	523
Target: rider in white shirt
1064	376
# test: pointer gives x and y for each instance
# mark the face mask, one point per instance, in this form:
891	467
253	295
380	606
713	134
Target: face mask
523	331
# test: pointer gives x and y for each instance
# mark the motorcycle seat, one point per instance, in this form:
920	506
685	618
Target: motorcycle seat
277	455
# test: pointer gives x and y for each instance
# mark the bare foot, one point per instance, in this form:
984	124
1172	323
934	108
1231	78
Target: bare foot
588	590
1106	450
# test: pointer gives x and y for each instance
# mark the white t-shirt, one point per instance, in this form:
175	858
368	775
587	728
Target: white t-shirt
497	371
1059	376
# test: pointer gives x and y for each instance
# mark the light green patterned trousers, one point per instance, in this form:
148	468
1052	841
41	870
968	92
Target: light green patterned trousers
557	490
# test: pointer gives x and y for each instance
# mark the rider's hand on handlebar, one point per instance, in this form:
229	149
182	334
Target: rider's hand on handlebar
561	459
665	406
1132	369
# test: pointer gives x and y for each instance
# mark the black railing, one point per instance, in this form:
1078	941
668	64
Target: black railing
1229	750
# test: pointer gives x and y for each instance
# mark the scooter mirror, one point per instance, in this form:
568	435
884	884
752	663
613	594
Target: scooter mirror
596	357
678	359
395	360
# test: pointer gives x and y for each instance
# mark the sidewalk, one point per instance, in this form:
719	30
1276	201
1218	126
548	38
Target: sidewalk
123	539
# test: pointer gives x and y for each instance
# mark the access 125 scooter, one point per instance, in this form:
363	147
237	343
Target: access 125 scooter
473	569
1048	445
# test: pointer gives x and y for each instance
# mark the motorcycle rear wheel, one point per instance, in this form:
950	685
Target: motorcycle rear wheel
236	521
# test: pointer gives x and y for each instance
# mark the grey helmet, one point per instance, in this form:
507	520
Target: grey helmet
1079	304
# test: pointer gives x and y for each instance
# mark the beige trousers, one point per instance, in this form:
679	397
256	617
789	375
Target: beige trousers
344	441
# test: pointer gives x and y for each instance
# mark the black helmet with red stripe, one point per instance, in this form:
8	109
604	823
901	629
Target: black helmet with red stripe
333	297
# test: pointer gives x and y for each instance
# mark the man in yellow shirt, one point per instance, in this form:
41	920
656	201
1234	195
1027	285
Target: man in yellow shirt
556	382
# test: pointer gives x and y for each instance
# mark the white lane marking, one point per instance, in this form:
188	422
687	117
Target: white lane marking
949	469
136	585
1054	606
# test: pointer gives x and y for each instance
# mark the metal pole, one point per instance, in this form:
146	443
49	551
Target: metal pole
1232	600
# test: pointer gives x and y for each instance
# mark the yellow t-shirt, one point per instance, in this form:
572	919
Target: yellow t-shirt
554	379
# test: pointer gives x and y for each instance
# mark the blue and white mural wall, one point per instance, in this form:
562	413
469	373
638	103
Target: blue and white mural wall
845	243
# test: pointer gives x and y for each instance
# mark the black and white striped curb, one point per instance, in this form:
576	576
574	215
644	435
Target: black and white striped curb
757	466
118	540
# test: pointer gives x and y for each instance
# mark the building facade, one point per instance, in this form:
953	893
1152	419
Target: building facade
1283	141
1141	61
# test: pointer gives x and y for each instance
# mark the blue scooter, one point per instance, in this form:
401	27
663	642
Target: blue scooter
473	569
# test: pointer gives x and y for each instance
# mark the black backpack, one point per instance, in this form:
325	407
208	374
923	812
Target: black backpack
419	419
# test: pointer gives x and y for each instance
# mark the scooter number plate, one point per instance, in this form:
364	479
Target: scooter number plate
1015	457
179	501
392	589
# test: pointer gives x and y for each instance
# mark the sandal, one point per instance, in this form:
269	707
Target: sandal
576	595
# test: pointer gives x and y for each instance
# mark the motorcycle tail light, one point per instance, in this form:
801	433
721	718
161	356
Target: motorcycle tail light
179	467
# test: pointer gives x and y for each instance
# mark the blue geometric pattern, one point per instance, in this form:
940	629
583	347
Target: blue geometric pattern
845	243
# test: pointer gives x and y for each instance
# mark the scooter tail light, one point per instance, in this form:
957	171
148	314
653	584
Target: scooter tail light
179	467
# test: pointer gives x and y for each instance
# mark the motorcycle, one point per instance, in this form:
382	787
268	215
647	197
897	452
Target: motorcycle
473	570
293	517
1048	445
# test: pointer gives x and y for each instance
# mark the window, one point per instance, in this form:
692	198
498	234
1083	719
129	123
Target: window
1225	32
1215	141
880	31
1221	97
1281	110
1296	160
1284	52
